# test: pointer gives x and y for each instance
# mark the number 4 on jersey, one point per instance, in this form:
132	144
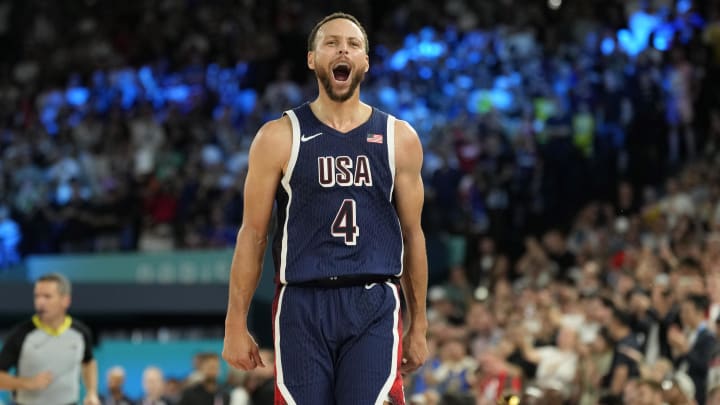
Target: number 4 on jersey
345	225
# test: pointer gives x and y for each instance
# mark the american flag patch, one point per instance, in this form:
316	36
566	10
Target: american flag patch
374	138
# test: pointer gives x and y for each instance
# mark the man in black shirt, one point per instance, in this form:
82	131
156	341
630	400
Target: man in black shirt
261	381
692	348
206	392
623	367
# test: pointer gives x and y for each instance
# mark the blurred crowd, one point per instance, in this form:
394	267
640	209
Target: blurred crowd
203	385
572	180
114	139
620	309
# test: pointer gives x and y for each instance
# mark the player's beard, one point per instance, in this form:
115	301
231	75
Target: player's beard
209	379
356	77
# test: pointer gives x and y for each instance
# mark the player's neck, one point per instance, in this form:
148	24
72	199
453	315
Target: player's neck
342	116
56	322
210	386
52	324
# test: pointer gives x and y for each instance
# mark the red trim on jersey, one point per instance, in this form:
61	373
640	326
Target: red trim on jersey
397	393
279	400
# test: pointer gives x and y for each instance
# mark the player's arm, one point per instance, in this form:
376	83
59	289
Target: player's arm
268	156
89	367
89	373
9	358
409	196
39	381
619	378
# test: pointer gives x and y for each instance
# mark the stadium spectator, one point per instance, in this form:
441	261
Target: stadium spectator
623	368
693	347
207	391
115	386
153	385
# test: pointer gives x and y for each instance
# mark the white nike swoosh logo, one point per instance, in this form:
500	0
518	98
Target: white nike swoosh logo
307	138
370	286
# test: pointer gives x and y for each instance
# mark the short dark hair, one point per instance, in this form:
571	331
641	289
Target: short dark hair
335	16
607	302
63	284
699	301
605	334
621	317
636	290
691	264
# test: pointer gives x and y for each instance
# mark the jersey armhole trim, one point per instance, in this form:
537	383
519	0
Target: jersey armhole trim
391	150
285	182
295	148
391	120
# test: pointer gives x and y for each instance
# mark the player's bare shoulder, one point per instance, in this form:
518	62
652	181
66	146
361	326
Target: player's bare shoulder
408	148
272	143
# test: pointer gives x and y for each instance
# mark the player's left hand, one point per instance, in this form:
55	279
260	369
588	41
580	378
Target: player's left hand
91	399
415	351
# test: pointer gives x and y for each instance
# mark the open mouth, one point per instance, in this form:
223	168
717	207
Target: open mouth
341	72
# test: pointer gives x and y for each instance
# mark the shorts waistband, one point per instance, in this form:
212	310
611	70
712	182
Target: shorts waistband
347	281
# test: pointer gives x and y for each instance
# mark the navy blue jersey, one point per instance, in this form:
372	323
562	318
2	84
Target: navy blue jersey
335	210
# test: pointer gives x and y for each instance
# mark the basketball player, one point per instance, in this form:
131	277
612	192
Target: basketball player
346	179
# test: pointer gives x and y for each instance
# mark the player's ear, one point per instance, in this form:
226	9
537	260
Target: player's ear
367	63
66	301
311	60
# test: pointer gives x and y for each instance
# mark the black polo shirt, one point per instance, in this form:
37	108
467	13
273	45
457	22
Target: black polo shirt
631	341
198	395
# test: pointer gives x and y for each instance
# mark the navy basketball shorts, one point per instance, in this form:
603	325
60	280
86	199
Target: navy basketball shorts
338	346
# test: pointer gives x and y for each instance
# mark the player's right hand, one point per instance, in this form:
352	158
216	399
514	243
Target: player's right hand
39	382
240	349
